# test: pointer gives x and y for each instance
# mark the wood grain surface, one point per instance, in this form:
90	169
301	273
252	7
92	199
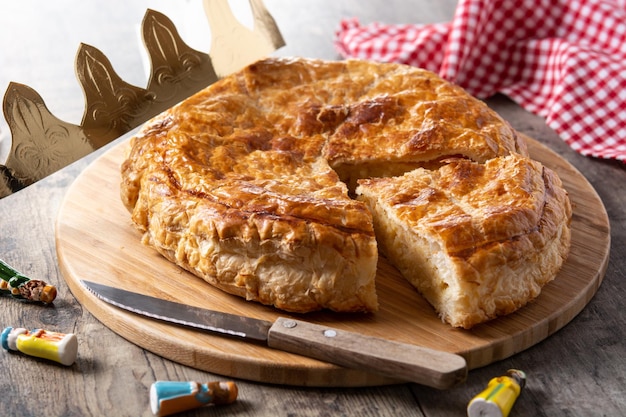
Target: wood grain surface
96	241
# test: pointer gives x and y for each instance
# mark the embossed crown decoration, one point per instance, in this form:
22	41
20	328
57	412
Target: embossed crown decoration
41	143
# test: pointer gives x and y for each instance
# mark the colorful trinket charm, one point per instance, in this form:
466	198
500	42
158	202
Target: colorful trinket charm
171	397
20	286
499	396
58	347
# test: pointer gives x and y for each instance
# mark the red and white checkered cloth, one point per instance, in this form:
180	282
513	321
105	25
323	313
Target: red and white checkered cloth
564	60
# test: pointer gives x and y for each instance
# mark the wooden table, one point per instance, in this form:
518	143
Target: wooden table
578	371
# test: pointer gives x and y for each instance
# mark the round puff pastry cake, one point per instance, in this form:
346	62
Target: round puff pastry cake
249	184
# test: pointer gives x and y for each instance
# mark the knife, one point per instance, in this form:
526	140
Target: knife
397	360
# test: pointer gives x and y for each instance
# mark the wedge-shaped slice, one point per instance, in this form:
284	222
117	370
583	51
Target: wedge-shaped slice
477	240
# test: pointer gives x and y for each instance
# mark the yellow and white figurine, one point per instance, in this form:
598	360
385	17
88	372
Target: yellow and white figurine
54	346
499	396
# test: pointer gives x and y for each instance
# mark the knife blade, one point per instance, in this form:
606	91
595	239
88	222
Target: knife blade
390	358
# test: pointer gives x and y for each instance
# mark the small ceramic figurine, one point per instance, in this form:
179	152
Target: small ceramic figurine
58	347
499	396
20	286
170	397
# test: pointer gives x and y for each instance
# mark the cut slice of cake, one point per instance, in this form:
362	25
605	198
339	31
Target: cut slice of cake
477	240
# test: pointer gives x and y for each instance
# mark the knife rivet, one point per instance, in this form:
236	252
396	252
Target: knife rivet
290	324
330	333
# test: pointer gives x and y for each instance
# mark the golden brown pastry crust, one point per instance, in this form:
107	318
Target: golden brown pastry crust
477	240
243	184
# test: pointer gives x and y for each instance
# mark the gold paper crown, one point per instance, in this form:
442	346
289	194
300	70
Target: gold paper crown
41	143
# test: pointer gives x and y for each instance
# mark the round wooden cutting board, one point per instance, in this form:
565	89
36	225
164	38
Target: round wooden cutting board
96	241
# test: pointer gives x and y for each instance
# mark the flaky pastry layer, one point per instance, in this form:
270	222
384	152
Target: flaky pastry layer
477	240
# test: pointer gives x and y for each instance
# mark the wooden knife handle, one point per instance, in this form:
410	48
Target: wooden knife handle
401	361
